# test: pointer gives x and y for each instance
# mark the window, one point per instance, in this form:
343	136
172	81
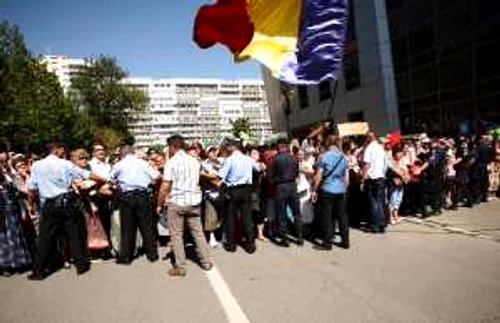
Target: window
351	23
403	86
303	96
454	27
451	76
351	72
486	60
357	116
421	39
325	92
420	11
399	52
424	80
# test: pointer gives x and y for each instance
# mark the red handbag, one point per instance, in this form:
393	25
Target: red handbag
96	237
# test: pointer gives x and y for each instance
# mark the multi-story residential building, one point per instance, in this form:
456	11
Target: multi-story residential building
199	109
63	67
196	108
410	65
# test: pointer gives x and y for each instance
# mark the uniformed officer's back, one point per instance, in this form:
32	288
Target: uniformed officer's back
133	177
132	173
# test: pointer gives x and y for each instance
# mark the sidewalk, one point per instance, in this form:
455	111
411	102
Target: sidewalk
482	221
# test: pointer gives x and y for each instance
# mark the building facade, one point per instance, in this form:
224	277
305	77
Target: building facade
199	109
63	67
446	67
410	65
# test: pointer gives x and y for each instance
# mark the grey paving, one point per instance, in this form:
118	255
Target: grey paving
414	273
482	220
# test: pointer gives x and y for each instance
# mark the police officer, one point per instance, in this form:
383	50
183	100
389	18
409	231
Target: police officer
133	176
52	178
434	176
236	173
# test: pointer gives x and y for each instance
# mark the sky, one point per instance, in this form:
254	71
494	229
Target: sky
150	38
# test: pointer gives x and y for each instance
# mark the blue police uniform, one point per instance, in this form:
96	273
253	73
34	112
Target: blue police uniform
237	173
133	177
52	178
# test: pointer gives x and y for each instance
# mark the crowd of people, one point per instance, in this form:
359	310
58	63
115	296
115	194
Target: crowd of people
69	208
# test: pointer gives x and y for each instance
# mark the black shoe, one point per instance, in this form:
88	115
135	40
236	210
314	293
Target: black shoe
283	242
300	242
344	245
106	255
250	247
123	261
153	259
80	270
376	230
324	247
230	247
37	276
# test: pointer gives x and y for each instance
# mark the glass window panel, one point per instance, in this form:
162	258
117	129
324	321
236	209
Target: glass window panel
487	56
424	80
450	75
421	39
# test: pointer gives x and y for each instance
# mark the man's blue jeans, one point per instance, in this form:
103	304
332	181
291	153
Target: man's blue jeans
375	188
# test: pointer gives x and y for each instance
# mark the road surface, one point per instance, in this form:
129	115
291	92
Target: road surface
414	273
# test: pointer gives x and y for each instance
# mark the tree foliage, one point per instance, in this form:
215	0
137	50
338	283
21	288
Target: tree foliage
241	126
100	92
34	109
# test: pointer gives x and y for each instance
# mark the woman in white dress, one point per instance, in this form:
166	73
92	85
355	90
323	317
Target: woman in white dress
304	184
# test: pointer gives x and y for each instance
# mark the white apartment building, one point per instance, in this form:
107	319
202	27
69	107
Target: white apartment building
199	109
63	67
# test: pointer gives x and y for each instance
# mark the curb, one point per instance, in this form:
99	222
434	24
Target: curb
439	225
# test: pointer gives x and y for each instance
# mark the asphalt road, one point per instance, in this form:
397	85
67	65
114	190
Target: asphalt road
414	273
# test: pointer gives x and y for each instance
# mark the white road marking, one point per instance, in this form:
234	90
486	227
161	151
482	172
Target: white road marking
231	307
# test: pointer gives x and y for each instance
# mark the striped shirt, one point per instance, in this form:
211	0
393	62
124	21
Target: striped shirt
183	171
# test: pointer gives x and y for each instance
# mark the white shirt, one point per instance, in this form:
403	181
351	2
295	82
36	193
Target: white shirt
183	171
375	157
100	168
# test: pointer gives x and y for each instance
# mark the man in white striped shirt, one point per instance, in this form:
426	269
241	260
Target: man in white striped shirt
181	184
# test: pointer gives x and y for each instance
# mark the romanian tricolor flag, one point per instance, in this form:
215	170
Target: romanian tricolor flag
300	41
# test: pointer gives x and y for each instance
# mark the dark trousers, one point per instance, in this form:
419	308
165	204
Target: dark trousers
62	214
480	182
239	202
333	208
286	195
135	212
464	187
375	188
433	194
105	210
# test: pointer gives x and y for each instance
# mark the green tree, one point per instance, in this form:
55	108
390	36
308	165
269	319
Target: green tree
33	108
240	126
108	103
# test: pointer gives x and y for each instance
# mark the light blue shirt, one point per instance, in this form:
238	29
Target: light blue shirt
238	169
133	173
53	176
335	181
